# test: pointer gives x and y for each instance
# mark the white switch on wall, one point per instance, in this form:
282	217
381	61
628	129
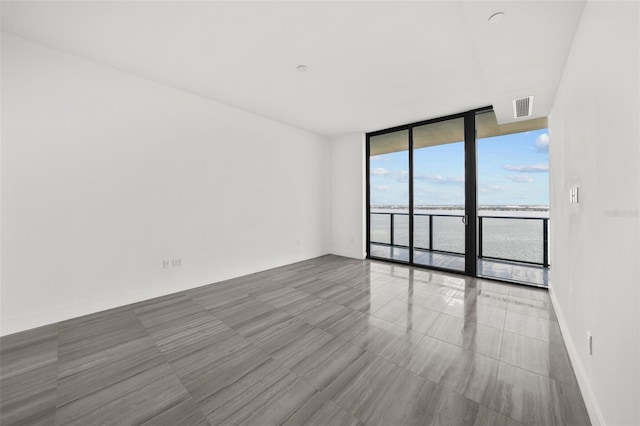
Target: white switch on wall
573	195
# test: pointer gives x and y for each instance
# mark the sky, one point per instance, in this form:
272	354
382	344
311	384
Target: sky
512	170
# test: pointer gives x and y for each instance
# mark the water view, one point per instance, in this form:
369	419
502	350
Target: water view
426	164
509	232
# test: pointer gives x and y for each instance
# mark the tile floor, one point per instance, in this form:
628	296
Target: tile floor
330	341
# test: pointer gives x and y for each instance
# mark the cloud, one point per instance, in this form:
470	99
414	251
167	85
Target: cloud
379	158
380	172
486	188
441	180
381	188
520	178
542	143
527	168
402	176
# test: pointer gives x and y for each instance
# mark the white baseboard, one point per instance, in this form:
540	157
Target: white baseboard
44	318
595	415
354	254
28	322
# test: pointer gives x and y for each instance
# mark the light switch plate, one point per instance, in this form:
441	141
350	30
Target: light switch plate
574	195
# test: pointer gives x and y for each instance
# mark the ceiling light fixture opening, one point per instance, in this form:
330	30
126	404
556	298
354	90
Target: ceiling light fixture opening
496	17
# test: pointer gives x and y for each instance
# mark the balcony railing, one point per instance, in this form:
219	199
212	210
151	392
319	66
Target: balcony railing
508	238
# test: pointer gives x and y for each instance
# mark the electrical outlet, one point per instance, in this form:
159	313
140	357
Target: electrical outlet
166	264
590	342
177	263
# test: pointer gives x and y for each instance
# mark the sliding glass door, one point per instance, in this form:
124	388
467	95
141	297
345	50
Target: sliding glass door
418	192
439	214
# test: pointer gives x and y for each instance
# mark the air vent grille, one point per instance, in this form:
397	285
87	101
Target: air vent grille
523	107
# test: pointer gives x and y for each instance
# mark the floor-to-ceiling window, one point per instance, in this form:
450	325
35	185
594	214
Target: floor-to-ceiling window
513	199
451	193
389	195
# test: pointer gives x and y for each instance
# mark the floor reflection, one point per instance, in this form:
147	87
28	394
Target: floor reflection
330	340
502	270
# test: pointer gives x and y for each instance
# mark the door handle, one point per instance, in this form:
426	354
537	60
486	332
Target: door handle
465	220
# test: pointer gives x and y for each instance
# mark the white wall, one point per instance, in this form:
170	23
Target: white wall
347	196
104	175
595	140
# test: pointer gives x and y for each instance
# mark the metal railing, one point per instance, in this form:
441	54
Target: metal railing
498	243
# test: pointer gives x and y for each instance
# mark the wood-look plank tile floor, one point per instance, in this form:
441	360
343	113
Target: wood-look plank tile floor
331	341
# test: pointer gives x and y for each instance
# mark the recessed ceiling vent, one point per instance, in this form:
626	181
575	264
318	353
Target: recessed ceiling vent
523	107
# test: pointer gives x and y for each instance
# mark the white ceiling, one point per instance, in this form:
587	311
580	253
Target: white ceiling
372	65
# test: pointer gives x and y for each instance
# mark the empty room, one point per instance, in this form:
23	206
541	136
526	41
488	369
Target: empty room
320	213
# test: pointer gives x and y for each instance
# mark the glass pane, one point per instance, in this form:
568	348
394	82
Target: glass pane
448	234
513	189
513	239
401	229
380	228
389	195
390	252
421	231
439	195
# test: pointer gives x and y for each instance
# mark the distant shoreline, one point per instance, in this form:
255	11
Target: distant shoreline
485	211
459	207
